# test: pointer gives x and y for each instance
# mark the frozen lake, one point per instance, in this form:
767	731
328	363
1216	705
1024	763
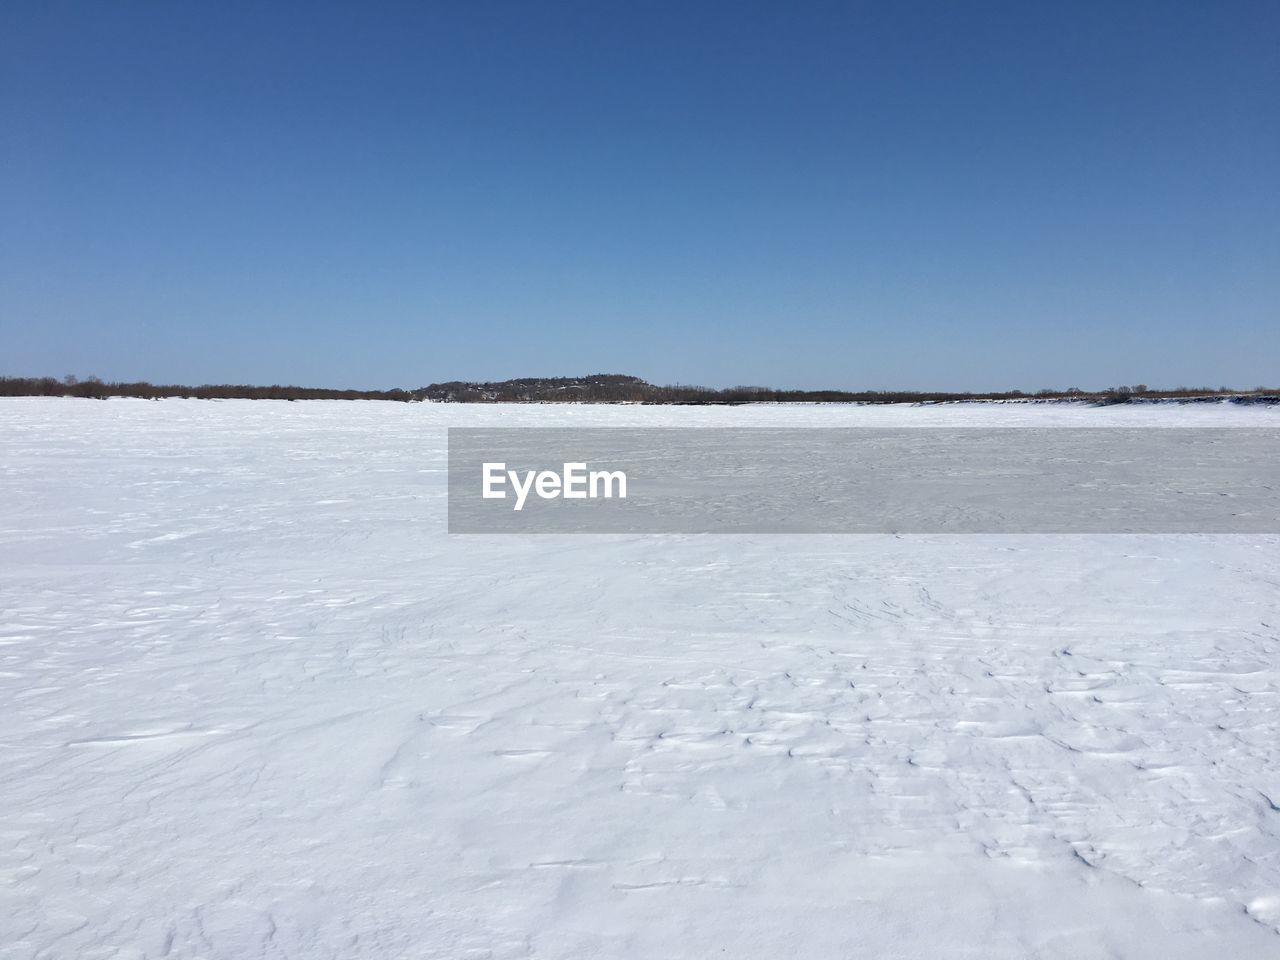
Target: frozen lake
255	702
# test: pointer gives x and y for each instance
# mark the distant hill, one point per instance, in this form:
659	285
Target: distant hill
595	388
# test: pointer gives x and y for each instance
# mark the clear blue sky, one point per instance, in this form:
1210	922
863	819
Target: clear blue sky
860	194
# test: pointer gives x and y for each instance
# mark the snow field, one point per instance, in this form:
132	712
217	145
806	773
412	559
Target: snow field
256	703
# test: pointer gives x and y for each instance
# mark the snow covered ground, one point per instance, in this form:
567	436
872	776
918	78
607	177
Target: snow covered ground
254	702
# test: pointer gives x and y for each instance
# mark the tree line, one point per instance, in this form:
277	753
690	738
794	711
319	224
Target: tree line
595	388
94	388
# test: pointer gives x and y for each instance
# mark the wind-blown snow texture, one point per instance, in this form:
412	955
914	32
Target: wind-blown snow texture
254	702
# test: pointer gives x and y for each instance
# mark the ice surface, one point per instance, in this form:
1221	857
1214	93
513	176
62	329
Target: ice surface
254	702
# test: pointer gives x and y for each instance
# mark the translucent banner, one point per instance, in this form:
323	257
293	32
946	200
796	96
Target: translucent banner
864	480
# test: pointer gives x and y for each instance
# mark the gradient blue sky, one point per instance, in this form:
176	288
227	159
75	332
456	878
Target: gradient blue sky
858	195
